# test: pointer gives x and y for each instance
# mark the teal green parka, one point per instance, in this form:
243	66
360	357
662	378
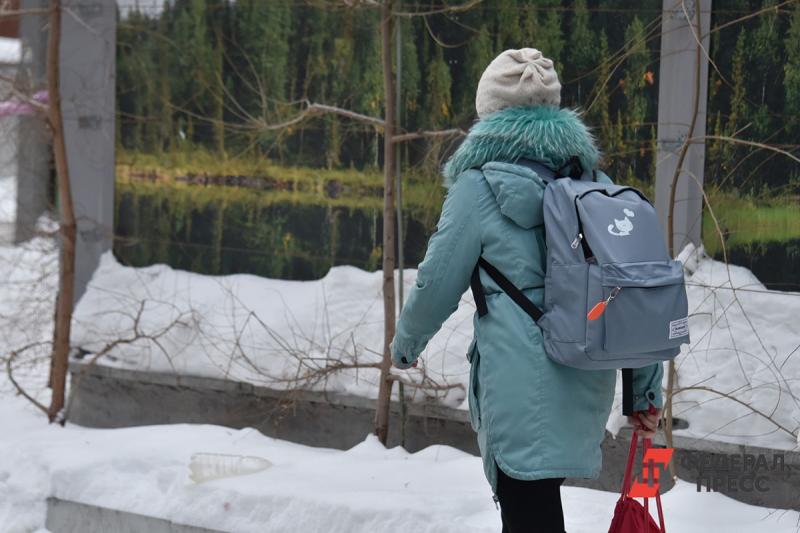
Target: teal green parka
534	418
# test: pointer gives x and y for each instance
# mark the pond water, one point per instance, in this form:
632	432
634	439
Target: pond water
216	230
775	263
227	230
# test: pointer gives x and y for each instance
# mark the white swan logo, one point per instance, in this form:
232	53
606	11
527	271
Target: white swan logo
624	227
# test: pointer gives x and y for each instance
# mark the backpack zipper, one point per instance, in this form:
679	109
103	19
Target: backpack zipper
579	238
615	193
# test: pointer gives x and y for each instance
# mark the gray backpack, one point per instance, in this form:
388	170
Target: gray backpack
613	296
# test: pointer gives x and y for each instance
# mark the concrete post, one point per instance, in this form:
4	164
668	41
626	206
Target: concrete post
33	146
88	69
679	96
9	131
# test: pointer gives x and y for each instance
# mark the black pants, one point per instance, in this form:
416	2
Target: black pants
530	506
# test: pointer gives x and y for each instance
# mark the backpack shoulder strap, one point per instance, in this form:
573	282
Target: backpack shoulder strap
509	288
627	391
573	168
477	291
547	174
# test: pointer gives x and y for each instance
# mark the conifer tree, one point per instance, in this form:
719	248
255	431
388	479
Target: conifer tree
764	58
792	71
635	80
738	105
192	41
529	25
411	79
261	37
164	75
550	34
599	114
216	20
582	49
438	90
479	54
507	29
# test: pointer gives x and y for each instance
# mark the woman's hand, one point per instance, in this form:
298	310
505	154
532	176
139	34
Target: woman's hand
645	423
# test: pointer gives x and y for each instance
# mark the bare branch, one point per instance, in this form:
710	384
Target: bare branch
740	402
447	9
20	389
405	137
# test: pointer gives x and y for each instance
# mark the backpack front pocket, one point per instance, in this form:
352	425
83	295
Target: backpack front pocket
565	299
646	308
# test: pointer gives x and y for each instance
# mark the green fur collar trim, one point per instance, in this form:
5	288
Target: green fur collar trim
544	133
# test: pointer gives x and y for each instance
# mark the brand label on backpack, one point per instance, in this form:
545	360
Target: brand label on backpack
679	328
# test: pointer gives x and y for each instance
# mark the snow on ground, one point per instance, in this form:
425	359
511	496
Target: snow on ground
8	199
365	489
745	343
28	282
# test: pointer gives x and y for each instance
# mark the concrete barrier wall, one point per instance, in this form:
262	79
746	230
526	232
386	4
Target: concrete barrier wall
107	397
64	516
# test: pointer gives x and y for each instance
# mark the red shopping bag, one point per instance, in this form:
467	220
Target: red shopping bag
629	515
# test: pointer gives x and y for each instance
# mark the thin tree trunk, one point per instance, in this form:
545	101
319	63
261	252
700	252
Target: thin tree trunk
66	281
385	386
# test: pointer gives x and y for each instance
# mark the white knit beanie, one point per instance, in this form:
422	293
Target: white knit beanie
517	78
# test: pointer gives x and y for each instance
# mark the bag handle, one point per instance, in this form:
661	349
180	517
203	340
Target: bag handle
626	480
646	443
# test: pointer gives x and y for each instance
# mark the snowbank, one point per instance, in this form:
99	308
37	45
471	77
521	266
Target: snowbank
365	489
278	333
270	332
739	380
10	51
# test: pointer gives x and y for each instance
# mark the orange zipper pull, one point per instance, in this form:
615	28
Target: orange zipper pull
597	310
600	307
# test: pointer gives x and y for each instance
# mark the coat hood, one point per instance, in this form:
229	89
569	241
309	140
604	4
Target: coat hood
518	191
543	133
